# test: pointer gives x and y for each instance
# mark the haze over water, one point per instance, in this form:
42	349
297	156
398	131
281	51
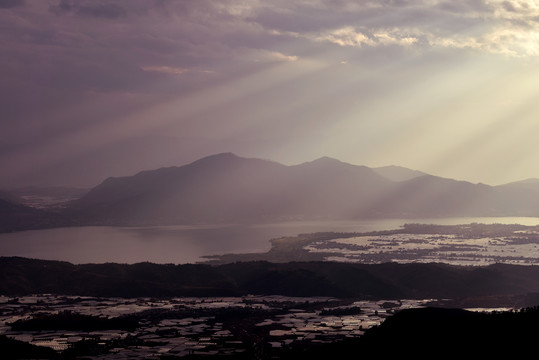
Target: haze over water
187	244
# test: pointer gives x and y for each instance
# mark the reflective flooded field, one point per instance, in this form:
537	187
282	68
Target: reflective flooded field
518	247
183	326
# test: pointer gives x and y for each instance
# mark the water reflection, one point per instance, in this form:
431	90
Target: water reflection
185	244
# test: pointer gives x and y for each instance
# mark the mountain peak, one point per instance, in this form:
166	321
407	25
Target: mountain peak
220	156
227	188
324	160
225	157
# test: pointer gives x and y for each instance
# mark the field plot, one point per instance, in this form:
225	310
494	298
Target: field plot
470	244
449	249
149	328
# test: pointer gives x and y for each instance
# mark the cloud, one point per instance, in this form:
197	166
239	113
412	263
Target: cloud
261	55
508	28
103	10
171	70
165	69
349	36
507	5
464	7
109	11
7	4
83	53
70	65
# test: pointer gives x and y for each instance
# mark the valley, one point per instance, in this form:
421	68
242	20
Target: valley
258	310
177	327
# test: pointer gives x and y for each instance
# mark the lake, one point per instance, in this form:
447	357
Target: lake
187	244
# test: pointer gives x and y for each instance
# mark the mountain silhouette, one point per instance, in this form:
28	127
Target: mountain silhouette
225	188
528	184
398	173
228	188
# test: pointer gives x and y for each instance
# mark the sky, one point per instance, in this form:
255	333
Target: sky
95	88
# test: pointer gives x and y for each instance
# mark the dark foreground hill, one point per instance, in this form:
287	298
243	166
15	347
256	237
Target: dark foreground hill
418	333
430	333
21	276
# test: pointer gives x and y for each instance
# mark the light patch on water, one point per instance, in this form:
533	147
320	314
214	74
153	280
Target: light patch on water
427	248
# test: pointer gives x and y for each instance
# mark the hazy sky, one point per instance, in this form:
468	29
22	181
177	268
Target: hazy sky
96	88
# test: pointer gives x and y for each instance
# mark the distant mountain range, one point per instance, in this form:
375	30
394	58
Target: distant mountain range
227	188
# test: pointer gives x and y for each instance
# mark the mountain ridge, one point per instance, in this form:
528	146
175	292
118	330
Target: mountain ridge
226	188
398	173
214	187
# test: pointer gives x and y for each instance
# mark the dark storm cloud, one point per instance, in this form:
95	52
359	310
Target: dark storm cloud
109	11
508	6
465	6
104	10
309	19
207	35
318	16
6	4
108	45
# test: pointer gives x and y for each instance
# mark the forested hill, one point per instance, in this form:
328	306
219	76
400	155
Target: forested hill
427	333
22	276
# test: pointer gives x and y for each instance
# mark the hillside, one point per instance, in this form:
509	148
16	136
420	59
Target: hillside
225	188
425	333
398	173
228	188
15	216
21	276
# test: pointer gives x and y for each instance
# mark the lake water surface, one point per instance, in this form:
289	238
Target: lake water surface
187	244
